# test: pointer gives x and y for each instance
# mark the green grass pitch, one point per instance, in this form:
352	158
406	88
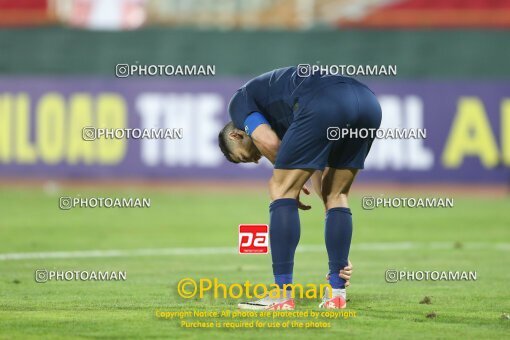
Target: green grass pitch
475	235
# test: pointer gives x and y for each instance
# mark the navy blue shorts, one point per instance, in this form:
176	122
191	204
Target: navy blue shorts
306	145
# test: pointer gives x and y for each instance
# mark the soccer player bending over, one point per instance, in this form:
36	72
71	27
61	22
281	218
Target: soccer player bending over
286	118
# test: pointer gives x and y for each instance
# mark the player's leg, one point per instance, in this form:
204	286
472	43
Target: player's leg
316	181
338	229
346	157
284	231
287	183
335	187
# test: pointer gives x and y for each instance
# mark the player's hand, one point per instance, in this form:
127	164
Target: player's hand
345	274
301	205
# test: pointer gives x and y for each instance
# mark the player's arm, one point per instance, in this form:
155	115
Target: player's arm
316	181
265	139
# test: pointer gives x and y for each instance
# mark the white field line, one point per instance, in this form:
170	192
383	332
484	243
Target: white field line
390	246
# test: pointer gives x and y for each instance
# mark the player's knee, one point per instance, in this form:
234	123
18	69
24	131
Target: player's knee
335	199
280	189
276	189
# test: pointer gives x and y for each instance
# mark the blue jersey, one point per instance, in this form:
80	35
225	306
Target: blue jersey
276	95
303	110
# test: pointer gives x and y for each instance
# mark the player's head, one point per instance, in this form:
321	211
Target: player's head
237	146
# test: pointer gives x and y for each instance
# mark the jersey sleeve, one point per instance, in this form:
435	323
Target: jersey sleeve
253	121
241	106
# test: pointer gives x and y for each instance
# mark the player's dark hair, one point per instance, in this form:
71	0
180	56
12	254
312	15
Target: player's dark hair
224	142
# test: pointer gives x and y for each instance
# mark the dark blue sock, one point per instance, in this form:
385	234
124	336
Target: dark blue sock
284	233
283	279
338	234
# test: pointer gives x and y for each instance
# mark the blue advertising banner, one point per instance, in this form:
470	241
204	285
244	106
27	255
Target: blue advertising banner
42	122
